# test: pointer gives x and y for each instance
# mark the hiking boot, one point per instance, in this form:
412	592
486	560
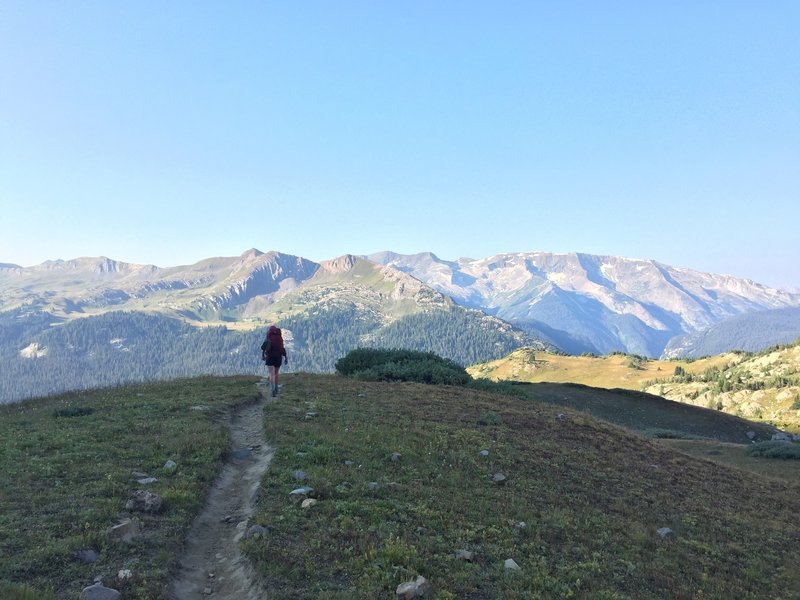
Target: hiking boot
274	390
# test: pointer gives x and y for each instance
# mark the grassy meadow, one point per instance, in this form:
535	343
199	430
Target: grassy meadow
579	509
591	496
67	468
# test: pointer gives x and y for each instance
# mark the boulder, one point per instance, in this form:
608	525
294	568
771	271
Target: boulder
511	565
257	531
124	531
419	588
99	592
87	556
301	492
144	501
308	503
665	533
465	555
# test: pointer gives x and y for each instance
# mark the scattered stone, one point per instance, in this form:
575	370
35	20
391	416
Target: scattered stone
308	503
300	475
124	531
499	478
373	485
170	465
310	415
198	407
146	480
751	435
419	588
519	526
99	592
227	519
781	436
511	564
396	456
257	531
144	501
301	491
465	555
348	463
484	453
139	474
87	556
362	395
393	485
666	533
561	416
208	591
124	574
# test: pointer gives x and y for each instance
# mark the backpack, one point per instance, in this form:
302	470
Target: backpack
273	344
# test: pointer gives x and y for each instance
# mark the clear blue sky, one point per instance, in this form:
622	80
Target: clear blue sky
167	132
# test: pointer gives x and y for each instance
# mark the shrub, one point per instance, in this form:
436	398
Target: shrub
775	449
377	364
671	434
73	411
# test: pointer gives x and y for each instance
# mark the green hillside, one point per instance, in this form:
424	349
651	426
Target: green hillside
763	386
591	495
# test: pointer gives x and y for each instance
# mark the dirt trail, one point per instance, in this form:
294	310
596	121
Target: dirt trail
212	565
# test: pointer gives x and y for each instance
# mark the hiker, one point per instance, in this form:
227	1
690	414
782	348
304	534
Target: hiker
272	350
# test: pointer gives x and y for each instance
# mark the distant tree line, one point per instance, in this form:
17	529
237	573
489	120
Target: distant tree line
123	347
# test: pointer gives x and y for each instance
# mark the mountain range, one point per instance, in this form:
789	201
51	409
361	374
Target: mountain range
467	310
576	302
596	304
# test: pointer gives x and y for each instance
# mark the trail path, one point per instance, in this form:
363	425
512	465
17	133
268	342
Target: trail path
212	565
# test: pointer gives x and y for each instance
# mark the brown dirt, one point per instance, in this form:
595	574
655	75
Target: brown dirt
212	565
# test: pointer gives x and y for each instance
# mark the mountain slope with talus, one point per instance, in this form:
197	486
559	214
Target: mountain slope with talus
596	304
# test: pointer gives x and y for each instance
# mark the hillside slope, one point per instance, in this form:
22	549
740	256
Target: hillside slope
578	511
763	387
751	332
401	487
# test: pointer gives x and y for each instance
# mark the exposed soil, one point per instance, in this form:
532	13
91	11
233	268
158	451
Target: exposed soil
212	565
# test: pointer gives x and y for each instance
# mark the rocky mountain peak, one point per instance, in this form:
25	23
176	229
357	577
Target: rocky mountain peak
341	264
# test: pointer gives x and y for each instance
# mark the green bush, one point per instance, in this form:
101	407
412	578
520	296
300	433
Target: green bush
775	449
377	364
73	411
